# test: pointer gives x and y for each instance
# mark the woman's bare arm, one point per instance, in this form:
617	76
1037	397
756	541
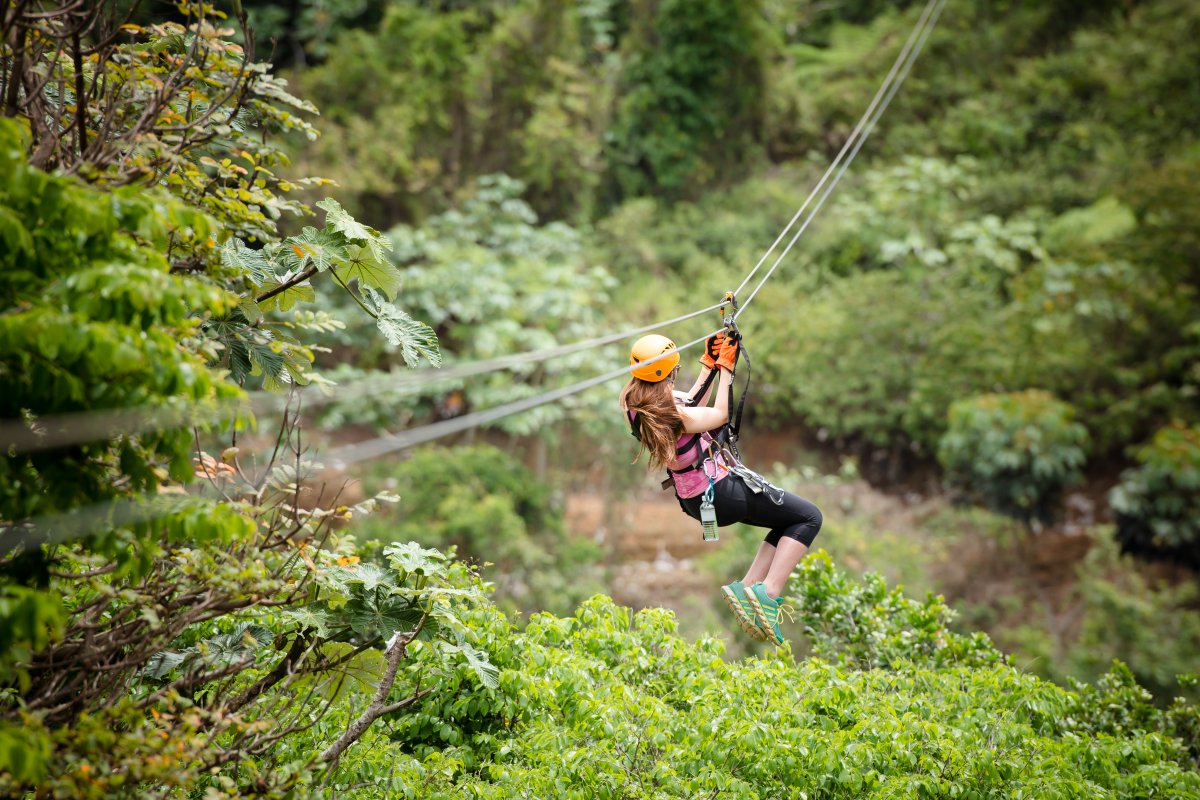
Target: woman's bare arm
691	395
698	420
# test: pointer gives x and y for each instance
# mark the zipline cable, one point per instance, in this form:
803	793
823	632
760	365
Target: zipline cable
854	136
64	430
382	445
939	4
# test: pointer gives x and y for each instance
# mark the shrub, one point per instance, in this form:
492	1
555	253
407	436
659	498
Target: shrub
864	625
488	506
607	704
1016	451
1157	503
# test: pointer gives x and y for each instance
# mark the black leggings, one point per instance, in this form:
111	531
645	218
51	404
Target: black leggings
794	517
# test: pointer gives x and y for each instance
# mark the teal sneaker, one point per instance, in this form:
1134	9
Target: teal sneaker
767	611
739	604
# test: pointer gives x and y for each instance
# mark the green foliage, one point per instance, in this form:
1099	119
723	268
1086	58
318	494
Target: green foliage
1110	608
209	711
94	327
583	103
489	508
173	104
492	282
1087	329
137	652
1157	503
1116	705
607	703
412	78
883	377
1015	451
279	277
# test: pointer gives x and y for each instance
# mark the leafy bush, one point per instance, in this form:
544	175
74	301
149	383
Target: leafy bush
92	320
1016	451
487	506
1110	608
879	356
608	704
145	636
1157	503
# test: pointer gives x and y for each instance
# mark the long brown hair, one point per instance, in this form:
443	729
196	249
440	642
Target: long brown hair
659	422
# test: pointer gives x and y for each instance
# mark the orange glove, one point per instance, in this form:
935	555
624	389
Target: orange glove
712	350
729	353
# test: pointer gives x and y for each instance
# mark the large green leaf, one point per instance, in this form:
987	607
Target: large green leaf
371	271
369	576
489	674
313	617
415	339
340	220
321	248
236	255
382	617
285	300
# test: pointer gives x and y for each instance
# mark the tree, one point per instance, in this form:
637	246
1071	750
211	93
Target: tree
690	106
144	639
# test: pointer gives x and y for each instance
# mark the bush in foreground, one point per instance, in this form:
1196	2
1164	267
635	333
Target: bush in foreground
608	704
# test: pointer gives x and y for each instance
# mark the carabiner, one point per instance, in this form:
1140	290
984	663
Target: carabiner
731	302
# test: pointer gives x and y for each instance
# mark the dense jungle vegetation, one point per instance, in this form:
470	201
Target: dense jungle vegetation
235	238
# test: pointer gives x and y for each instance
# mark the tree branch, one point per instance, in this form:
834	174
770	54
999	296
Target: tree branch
286	666
81	97
396	651
283	287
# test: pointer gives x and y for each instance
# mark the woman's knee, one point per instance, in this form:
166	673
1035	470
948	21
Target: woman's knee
816	518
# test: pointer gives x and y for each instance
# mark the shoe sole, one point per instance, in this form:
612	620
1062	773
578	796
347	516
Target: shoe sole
763	623
749	626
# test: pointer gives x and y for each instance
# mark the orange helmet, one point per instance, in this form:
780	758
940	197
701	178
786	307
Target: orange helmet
650	347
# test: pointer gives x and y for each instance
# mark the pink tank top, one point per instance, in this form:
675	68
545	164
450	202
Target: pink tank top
690	448
695	481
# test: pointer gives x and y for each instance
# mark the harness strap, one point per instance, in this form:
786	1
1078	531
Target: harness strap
735	419
688	446
703	390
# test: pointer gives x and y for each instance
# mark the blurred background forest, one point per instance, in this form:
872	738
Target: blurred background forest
982	361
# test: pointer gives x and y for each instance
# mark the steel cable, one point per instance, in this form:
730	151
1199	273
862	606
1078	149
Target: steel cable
854	135
916	51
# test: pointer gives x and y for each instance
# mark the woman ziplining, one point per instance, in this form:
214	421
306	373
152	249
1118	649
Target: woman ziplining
689	438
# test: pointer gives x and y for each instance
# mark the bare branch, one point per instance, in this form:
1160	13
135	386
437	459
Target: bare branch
395	653
283	287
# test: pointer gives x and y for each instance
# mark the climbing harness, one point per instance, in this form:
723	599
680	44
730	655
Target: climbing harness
727	437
